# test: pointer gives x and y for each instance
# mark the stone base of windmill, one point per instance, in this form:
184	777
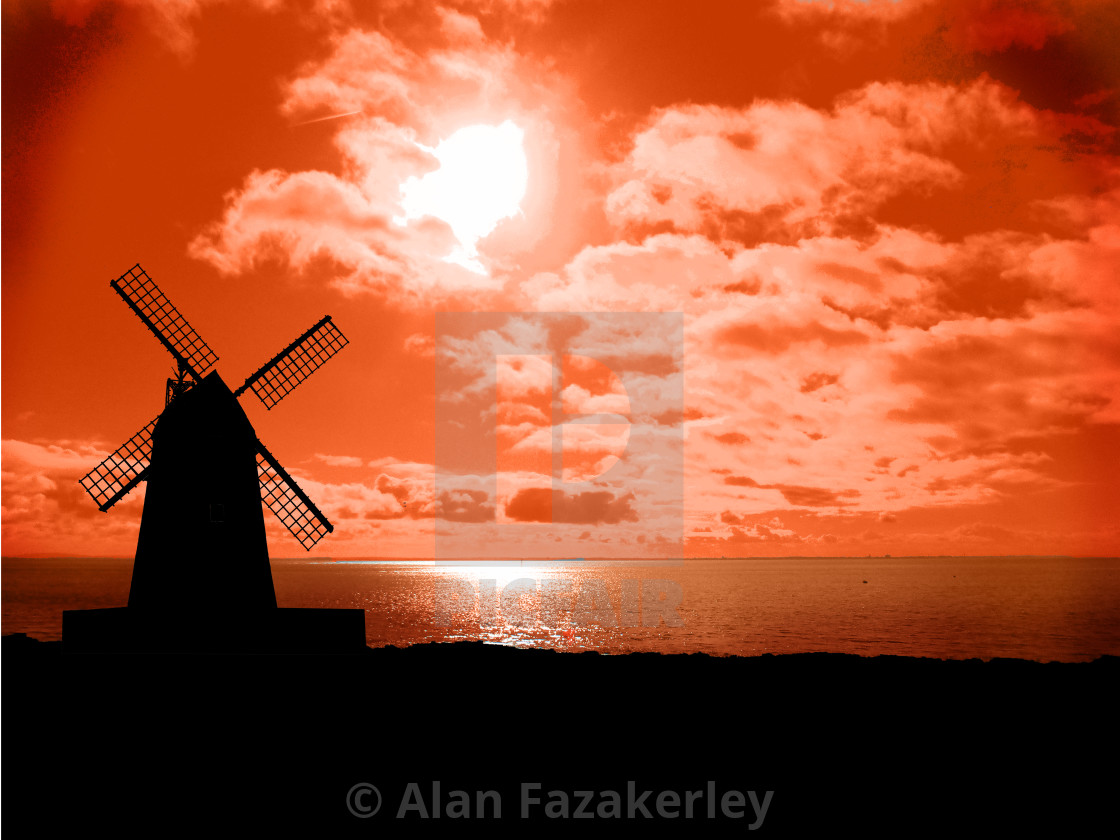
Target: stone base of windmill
268	631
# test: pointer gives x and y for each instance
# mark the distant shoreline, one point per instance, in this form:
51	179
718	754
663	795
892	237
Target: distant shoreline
17	644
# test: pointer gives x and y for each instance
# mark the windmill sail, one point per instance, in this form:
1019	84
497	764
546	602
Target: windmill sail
114	478
290	504
281	374
160	316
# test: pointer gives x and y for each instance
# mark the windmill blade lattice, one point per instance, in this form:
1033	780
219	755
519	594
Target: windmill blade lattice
290	504
281	374
160	316
114	478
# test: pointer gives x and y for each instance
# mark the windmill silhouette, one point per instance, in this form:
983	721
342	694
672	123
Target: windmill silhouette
202	578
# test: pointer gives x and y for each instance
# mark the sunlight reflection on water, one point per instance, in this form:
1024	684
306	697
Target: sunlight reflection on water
1038	608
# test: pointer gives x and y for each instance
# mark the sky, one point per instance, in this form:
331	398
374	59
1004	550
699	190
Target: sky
829	278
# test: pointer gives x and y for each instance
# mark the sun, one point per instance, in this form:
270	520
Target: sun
480	181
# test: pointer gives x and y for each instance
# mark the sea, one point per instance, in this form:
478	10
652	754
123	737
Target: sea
1040	608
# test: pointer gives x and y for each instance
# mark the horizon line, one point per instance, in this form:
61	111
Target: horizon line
660	560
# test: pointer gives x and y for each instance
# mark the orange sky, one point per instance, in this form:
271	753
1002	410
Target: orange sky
892	229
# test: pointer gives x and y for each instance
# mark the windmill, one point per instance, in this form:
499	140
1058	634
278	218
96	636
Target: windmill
202	549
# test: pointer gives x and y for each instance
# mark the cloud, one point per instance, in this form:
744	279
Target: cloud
961	360
318	220
818	10
45	509
984	26
845	26
798	495
338	460
817	380
402	492
533	11
957	351
771	170
780	171
985	531
420	344
740	481
898	303
342	225
815	533
732	438
777	338
989	383
809	344
657	274
466	506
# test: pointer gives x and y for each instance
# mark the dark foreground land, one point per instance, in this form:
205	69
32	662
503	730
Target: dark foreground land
884	746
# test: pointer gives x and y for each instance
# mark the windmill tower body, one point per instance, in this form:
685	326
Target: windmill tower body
202	510
201	581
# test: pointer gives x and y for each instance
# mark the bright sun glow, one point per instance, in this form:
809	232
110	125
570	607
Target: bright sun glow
480	181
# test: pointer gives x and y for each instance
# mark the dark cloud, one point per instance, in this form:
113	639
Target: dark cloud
465	506
797	494
814	496
990	388
815	381
740	481
732	438
751	286
592	507
777	338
